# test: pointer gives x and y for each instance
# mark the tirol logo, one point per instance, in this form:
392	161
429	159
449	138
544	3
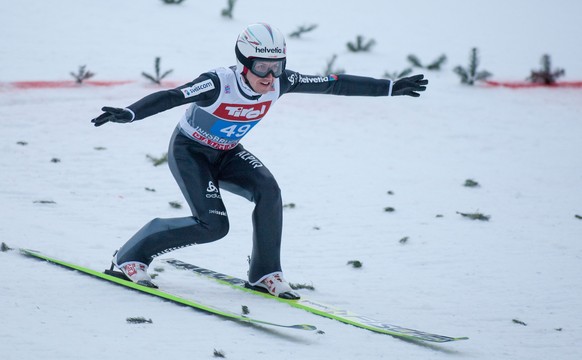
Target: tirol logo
266	50
242	112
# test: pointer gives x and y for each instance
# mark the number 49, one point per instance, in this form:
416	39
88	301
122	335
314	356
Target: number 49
235	130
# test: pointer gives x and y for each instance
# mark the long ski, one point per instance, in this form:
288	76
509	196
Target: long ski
159	293
319	308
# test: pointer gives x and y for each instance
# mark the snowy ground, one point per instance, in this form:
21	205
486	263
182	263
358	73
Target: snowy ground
336	159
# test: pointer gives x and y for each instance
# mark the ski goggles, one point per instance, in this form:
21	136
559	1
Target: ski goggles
262	67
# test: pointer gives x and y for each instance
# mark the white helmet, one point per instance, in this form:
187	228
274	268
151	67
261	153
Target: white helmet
260	41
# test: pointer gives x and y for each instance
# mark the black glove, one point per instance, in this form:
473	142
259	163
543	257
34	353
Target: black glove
409	86
114	115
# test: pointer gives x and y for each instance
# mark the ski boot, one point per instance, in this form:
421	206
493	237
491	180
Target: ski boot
134	271
276	285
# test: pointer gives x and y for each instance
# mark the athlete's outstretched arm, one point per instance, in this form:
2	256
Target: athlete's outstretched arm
351	85
202	88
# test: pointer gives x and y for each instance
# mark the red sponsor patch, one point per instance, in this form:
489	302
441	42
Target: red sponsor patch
212	143
242	112
130	269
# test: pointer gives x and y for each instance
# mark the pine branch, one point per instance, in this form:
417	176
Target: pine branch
483	75
157	66
168	72
175	204
329	69
463	74
360	46
302	30
229	8
473	63
158	161
436	65
139	320
398	75
471	183
301	286
475	216
414	60
219	354
5	247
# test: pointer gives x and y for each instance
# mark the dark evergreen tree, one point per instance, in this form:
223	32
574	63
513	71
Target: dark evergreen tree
546	75
470	75
229	8
157	78
360	45
82	74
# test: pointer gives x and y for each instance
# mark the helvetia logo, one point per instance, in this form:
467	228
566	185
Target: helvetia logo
311	79
266	50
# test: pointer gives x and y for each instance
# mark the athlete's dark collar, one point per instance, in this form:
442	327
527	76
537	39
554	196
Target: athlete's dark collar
243	86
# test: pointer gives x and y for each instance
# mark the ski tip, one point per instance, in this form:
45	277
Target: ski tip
305	327
443	339
30	252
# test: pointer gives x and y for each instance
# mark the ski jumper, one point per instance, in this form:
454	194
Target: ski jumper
205	157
